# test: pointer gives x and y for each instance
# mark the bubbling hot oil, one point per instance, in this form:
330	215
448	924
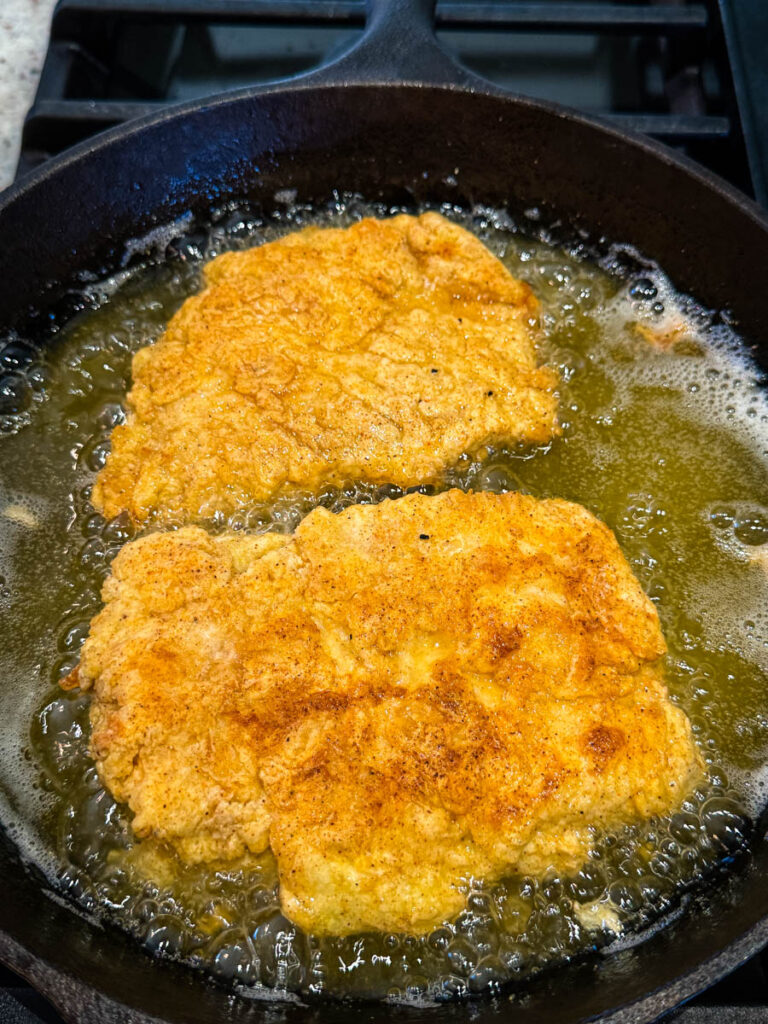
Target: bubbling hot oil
665	433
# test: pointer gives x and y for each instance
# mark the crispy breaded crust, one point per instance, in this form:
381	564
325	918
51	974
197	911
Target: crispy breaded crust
379	352
393	698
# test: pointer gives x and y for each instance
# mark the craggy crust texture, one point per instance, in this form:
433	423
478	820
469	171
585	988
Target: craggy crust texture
378	352
394	698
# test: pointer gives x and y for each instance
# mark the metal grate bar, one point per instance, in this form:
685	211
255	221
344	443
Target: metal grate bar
532	16
746	31
105	112
673	126
109	112
571	16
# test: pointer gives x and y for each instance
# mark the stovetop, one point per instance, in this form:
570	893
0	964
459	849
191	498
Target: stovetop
693	74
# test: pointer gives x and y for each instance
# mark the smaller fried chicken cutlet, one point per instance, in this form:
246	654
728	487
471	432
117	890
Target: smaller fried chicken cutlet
377	353
394	699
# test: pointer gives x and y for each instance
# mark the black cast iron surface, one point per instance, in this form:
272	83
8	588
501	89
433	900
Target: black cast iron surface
458	141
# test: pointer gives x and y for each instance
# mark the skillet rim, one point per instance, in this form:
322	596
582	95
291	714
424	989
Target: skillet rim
63	989
316	81
53	981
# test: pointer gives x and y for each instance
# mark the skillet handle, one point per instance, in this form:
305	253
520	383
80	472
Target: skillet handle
398	45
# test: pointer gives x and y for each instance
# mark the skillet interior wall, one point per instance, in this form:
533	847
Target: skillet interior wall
73	962
354	139
75	222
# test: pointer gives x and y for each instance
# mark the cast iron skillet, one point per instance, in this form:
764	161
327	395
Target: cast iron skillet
394	118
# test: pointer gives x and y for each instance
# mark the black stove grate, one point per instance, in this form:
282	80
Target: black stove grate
693	74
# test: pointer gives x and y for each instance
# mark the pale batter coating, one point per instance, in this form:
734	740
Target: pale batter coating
395	699
379	353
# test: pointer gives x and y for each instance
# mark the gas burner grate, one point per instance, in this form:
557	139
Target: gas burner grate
691	74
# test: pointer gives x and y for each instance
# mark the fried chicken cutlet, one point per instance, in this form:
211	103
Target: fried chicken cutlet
393	698
379	352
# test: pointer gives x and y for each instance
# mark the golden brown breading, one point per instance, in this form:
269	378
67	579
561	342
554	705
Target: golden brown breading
394	698
378	352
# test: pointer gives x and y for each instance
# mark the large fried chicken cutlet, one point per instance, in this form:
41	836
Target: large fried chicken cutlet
378	353
395	699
